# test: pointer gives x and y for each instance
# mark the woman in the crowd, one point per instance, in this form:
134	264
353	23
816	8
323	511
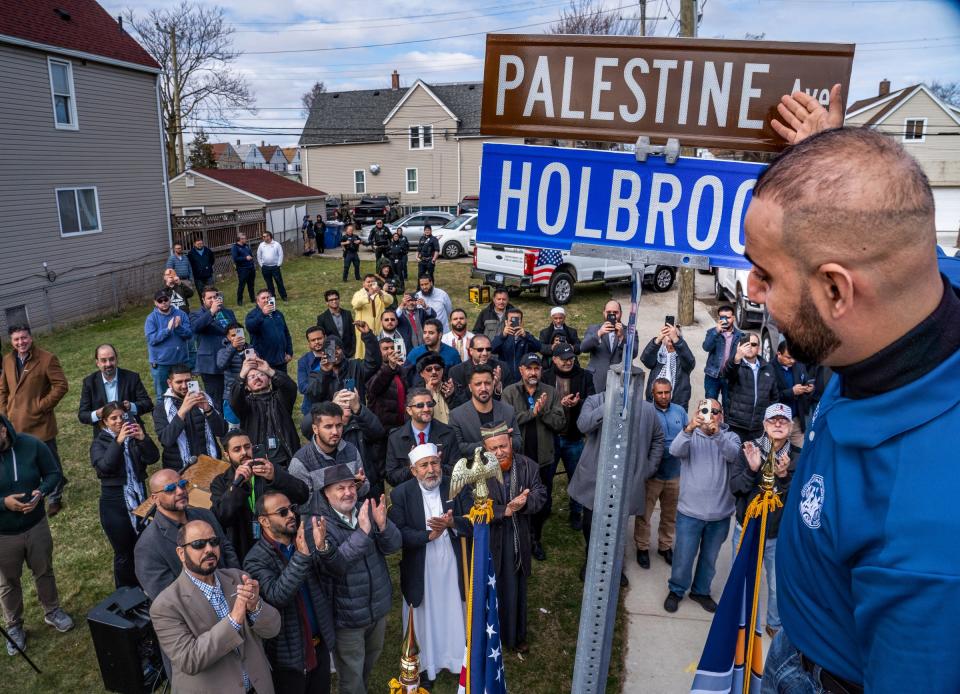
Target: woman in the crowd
120	455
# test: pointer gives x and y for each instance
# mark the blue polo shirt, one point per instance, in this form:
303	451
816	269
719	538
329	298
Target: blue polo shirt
868	571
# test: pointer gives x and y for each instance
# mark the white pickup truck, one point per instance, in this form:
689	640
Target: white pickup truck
731	285
515	268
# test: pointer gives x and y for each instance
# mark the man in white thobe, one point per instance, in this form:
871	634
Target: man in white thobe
431	570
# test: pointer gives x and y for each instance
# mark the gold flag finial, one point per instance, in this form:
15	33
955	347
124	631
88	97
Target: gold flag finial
410	658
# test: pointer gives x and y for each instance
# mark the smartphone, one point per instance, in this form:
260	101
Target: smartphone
704	409
611	317
259	451
239	333
811	381
745	339
249	353
331	351
560	338
272	301
128	418
27	498
350	384
220	297
193	387
670	320
514	322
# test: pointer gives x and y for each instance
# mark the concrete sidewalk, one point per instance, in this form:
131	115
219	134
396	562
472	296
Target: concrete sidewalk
663	649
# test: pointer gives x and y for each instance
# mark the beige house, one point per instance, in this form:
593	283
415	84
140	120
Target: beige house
422	142
930	130
211	191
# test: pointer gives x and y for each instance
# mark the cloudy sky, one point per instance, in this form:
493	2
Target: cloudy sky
289	44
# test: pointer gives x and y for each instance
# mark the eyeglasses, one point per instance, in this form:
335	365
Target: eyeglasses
433	369
421	405
482	349
715	410
283	511
162	301
169	489
754	344
200	544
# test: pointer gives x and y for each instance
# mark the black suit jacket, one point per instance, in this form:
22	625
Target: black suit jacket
349	338
799	405
408	515
401	442
129	387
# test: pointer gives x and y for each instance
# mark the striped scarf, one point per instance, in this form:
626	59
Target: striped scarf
170	407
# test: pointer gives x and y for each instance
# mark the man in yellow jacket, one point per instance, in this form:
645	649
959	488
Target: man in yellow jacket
368	303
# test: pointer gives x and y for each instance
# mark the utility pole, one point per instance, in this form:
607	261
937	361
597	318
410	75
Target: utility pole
181	159
687	278
643	17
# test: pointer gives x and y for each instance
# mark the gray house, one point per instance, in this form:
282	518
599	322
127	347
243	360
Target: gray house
88	229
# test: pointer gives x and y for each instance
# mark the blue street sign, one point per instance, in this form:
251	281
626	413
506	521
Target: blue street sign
553	197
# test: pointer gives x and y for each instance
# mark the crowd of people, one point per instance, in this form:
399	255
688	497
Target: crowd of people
291	552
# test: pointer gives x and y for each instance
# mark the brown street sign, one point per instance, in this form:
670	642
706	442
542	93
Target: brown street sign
704	92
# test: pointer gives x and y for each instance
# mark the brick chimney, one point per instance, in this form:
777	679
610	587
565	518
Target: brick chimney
395	80
884	87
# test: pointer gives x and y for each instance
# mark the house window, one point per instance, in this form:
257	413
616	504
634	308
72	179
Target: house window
61	89
412	181
79	211
359	181
421	137
914	130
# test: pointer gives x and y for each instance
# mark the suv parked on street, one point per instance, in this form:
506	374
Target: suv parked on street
732	285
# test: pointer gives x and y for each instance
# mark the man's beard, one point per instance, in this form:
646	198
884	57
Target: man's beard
430	485
197	568
809	339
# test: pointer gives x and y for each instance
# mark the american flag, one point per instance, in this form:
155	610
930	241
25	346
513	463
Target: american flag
483	672
547	261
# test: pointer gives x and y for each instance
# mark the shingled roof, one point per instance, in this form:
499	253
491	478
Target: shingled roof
265	185
77	26
894	98
357	116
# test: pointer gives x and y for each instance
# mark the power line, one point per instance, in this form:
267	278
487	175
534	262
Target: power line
412	41
367	19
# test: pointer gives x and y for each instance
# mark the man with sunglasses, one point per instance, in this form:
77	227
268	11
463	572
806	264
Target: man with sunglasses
234	493
540	417
211	622
284	565
752	386
421	429
167	330
706	449
155	556
480	351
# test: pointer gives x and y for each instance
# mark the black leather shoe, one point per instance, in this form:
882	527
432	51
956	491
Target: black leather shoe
643	558
538	552
672	602
667	555
705	601
576	522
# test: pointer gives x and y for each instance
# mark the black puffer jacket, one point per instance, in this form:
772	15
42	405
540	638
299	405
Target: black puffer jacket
280	583
107	458
685	364
742	411
361	586
230	361
269	414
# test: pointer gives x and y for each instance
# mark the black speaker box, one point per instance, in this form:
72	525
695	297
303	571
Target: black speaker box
125	643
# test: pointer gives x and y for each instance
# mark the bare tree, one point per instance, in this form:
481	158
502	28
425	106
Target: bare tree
193	44
593	17
948	92
309	96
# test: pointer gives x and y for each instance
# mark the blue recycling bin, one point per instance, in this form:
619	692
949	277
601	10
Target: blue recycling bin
332	235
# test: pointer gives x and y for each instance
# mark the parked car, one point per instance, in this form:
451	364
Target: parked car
770	336
458	236
413	223
732	285
470	203
370	209
514	268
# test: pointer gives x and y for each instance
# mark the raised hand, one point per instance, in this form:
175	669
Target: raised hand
752	454
301	540
363	518
379	512
319	532
803	116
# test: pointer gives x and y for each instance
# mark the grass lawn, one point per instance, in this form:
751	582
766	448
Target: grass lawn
83	558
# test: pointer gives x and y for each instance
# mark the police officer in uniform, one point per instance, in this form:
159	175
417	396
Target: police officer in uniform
351	243
428	250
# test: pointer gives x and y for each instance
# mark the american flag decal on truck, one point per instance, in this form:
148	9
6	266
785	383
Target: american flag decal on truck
547	261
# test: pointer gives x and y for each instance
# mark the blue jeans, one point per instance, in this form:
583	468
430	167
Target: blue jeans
769	565
696	537
569	452
160	372
783	674
716	389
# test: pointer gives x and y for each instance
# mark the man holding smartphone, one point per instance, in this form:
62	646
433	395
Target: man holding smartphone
604	342
514	342
209	324
268	331
720	344
28	474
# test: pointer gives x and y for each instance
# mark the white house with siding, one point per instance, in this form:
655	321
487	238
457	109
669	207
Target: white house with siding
250	156
83	232
929	129
275	158
423	141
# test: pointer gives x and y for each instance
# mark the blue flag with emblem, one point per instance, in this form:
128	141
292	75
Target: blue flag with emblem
483	671
722	664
